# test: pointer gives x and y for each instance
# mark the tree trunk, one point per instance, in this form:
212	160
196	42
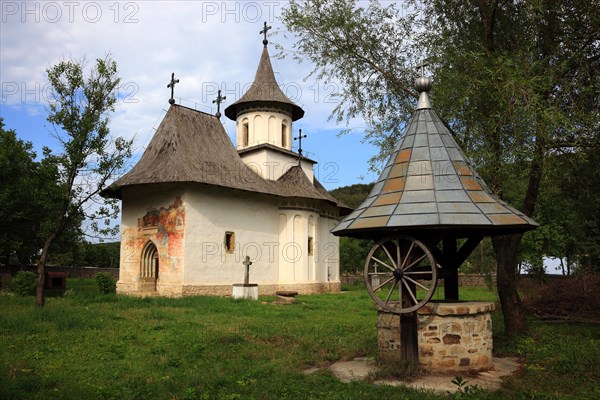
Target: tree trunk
515	319
40	300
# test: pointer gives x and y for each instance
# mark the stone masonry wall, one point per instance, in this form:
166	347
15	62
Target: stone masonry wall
452	337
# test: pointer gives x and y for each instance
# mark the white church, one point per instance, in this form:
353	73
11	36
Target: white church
195	206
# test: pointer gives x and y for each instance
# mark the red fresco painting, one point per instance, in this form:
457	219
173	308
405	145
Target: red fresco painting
164	227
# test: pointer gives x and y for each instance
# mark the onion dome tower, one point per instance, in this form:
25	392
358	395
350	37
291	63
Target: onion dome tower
264	114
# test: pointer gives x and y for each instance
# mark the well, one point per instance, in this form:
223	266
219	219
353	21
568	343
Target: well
426	214
452	336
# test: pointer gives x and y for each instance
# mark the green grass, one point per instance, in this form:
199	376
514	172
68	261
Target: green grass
91	346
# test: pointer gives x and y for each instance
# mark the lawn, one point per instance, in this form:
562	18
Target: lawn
90	346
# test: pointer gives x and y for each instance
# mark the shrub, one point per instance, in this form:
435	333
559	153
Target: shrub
106	283
24	283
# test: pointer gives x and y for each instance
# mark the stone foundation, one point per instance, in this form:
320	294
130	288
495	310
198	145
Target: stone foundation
452	337
225	290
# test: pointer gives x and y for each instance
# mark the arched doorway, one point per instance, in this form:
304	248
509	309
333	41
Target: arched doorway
149	268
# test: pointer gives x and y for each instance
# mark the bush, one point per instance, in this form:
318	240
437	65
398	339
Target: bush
106	283
24	283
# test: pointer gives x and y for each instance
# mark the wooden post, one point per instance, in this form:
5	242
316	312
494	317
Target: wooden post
409	340
409	343
451	279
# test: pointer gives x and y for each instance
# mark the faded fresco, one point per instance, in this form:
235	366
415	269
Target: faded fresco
165	228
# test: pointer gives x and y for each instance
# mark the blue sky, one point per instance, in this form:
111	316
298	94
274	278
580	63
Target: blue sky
209	45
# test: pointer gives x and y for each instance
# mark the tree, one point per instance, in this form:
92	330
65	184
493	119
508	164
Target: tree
514	80
28	195
353	251
89	156
18	176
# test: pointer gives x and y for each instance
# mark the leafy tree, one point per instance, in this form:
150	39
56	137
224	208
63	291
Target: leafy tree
353	251
18	176
569	212
353	195
103	255
29	194
89	156
515	80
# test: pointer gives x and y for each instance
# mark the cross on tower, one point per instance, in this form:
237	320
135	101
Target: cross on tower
264	32
219	100
423	64
172	86
247	263
299	139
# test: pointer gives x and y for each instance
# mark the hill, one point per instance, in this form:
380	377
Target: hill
353	195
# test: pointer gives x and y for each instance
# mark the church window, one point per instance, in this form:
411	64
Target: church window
229	242
245	134
283	135
311	246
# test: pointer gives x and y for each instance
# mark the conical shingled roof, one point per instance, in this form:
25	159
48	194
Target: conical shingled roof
264	92
190	146
428	183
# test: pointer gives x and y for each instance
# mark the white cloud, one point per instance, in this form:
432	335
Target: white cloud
208	44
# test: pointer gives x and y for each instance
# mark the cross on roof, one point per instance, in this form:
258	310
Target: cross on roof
172	86
299	139
422	66
264	32
219	100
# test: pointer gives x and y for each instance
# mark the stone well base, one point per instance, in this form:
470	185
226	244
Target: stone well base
452	337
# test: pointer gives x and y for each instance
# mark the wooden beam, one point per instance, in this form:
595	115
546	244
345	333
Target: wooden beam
467	248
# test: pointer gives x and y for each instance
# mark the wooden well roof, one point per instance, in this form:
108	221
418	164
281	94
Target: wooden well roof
264	93
428	183
190	146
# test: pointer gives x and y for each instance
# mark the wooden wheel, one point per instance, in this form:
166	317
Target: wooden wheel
400	274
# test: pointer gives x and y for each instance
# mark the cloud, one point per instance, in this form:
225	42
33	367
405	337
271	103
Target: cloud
208	44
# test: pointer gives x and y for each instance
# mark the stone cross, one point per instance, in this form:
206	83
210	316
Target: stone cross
172	86
299	139
219	100
264	32
247	263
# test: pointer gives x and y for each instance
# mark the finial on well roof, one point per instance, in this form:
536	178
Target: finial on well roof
172	86
423	86
264	32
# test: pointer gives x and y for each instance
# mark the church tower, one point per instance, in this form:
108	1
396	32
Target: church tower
263	124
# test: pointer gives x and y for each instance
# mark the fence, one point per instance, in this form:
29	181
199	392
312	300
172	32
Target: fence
471	280
72	272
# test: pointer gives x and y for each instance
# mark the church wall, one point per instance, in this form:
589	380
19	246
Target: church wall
272	165
264	127
154	214
275	239
296	264
253	220
326	251
188	225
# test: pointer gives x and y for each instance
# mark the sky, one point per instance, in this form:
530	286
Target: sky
210	45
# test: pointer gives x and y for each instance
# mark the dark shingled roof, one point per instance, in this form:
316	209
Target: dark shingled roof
264	93
192	147
428	183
